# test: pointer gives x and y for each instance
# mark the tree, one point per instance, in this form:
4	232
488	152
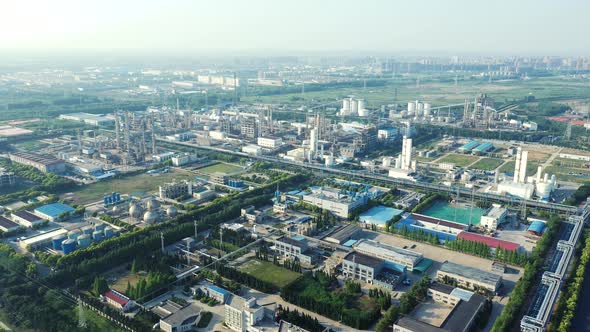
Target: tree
99	286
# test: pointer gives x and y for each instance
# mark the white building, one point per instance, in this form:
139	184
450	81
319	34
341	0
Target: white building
495	216
334	200
252	150
468	277
242	315
184	158
270	142
184	319
404	165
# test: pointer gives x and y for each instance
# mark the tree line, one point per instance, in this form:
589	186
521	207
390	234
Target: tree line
407	302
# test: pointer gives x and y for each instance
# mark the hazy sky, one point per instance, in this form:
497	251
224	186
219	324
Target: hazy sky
559	27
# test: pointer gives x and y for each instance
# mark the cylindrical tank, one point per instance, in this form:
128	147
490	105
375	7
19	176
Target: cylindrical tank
150	217
329	161
171	211
116	209
135	210
87	230
68	246
74	234
354	106
361	104
108	232
99	227
346	104
411	107
363	112
544	190
56	241
152	204
97	236
84	240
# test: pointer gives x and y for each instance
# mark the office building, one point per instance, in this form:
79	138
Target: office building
243	315
361	267
495	216
180	319
6	178
294	248
270	142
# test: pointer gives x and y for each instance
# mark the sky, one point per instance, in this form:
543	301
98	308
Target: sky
291	27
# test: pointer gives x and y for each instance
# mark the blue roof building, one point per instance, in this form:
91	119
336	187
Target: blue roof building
537	227
468	147
483	148
53	211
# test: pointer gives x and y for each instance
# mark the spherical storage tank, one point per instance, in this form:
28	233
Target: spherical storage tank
152	204
97	236
68	246
150	217
171	211
73	235
116	209
108	232
99	227
84	240
56	242
135	210
87	230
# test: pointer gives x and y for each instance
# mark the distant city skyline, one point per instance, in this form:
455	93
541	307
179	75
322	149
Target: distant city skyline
266	27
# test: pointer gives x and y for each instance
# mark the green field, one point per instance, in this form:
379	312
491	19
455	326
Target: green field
127	185
569	174
531	167
488	164
269	272
460	160
221	168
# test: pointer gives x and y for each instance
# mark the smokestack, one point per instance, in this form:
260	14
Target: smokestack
517	165
539	170
523	162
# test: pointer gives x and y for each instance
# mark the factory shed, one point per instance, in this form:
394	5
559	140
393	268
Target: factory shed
490	241
536	228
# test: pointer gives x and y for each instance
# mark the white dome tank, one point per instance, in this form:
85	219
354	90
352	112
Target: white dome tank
152	204
150	217
135	210
171	211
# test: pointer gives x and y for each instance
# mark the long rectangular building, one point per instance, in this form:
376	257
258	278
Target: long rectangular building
44	163
335	201
392	254
469	277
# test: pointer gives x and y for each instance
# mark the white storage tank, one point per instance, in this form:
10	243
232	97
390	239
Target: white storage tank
411	107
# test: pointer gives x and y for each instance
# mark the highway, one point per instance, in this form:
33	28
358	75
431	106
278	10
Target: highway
452	190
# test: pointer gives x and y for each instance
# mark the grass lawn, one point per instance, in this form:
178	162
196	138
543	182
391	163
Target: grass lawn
460	160
221	167
121	284
97	323
569	174
269	272
136	183
488	164
531	167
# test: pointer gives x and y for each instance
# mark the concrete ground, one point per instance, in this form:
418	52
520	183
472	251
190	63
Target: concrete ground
518	235
432	313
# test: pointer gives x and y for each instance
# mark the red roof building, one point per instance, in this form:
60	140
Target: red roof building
490	241
118	300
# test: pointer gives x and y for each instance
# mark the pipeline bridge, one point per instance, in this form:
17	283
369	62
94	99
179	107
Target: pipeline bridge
439	188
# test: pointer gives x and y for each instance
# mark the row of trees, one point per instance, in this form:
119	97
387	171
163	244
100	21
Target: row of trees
302	320
145	286
416	235
569	302
427	202
579	195
407	302
530	276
